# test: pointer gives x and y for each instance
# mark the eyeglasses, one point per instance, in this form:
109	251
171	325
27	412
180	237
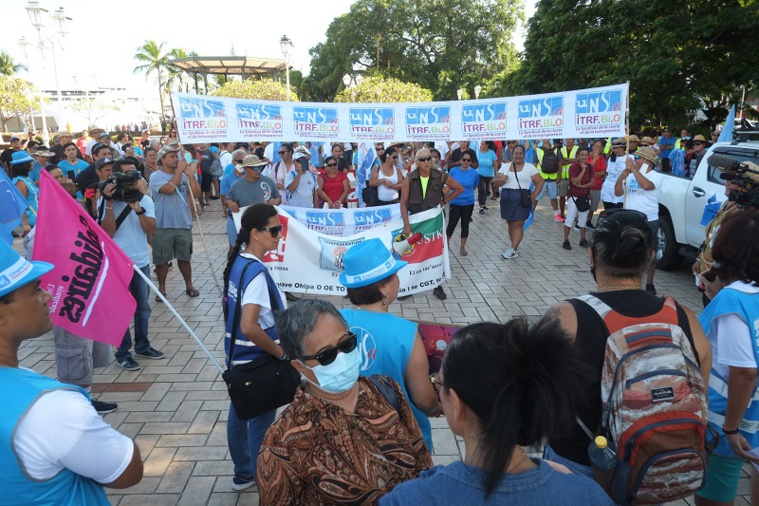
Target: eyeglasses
426	159
466	159
346	345
274	231
331	165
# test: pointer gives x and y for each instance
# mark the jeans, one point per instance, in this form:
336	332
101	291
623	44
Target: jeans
244	438
482	190
140	291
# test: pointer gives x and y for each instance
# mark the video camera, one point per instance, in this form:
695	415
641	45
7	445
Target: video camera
124	181
742	174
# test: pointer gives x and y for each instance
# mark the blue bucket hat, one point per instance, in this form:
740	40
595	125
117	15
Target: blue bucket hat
16	271
21	157
368	262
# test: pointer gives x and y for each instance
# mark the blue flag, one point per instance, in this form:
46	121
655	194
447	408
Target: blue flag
726	135
531	218
710	210
12	207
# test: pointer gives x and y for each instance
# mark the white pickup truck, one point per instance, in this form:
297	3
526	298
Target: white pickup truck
682	202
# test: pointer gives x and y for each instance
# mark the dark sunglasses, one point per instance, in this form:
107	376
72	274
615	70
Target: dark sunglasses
283	152
466	159
426	159
394	157
331	165
347	345
238	161
274	231
698	143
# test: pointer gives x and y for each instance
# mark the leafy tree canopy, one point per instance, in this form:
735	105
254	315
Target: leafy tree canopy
378	89
257	89
677	57
17	99
441	45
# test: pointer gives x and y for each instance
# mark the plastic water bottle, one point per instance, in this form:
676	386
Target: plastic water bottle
603	461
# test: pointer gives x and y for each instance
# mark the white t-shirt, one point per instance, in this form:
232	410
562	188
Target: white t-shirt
731	339
524	176
303	196
63	431
613	170
645	201
130	236
257	292
225	158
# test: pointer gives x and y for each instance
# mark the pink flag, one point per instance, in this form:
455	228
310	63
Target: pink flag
90	281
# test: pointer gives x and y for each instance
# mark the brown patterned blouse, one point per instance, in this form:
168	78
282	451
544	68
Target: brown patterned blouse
317	453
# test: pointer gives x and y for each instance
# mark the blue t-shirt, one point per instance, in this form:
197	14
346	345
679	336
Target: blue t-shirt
227	180
469	179
228	169
487	161
666	146
78	167
172	210
459	483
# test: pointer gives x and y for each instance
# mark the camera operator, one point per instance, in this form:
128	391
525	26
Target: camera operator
128	215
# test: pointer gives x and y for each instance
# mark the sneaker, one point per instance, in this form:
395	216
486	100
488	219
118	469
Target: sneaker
584	243
590	226
557	218
129	364
151	353
650	288
485	206
575	228
510	253
482	210
439	293
104	407
566	245
243	482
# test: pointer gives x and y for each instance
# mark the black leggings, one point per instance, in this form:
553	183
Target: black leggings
482	190
463	212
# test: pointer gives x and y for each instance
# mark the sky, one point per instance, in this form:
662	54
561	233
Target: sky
99	49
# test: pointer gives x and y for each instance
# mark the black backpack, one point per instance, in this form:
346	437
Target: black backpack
550	162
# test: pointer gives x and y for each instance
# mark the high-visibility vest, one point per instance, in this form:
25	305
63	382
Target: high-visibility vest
541	153
564	156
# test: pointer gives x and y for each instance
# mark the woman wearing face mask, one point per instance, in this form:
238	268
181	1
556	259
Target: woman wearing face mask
504	387
260	233
389	345
341	441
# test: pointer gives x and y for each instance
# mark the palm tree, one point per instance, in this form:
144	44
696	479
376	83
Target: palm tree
8	66
175	73
153	60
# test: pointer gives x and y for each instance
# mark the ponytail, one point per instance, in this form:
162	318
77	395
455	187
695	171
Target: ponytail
254	217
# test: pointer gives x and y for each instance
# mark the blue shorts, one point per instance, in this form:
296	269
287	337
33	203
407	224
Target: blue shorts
231	232
551	187
722	475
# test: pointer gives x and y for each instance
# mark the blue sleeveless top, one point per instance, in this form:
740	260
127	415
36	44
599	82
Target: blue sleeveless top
32	198
22	388
746	306
386	341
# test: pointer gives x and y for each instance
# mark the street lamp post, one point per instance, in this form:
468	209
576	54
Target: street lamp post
24	44
37	17
286	45
477	90
351	82
459	93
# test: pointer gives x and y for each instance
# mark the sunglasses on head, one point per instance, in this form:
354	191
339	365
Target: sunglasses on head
346	345
425	159
274	231
331	165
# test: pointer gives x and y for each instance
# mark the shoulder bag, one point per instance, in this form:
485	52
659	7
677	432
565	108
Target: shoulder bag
267	382
524	195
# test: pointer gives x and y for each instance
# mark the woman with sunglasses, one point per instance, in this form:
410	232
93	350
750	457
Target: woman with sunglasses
504	387
390	345
387	178
619	255
256	334
462	206
344	439
334	186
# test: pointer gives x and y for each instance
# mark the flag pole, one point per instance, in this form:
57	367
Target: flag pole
174	311
203	239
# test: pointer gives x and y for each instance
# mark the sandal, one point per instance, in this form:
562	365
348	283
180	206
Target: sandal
158	299
192	292
463	253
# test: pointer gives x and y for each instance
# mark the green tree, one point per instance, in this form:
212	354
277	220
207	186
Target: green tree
675	57
442	45
154	61
257	89
377	89
18	99
92	109
8	66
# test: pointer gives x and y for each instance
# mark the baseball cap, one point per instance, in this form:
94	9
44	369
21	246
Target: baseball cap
102	162
16	271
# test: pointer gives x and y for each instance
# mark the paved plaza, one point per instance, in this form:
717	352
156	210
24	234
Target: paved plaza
176	408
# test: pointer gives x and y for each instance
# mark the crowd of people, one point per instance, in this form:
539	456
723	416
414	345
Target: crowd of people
358	429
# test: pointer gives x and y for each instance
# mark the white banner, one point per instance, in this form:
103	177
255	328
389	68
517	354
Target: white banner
590	113
310	262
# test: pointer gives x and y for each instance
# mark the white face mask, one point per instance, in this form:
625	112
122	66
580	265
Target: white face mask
240	169
644	167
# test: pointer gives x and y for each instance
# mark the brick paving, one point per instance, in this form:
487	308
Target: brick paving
176	408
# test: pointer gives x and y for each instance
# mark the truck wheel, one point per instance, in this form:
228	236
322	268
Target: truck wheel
668	254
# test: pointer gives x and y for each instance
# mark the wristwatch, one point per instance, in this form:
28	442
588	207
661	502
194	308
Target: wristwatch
140	212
